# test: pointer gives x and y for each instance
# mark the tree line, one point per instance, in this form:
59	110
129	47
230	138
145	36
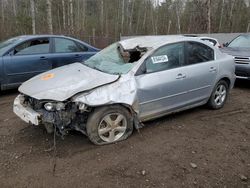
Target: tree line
107	20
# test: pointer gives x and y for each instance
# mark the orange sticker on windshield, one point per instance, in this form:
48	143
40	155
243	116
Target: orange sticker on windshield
47	76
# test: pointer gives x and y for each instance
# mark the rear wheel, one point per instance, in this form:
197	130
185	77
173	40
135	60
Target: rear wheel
109	124
219	95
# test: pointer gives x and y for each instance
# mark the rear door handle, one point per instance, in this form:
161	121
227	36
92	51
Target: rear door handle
180	76
212	69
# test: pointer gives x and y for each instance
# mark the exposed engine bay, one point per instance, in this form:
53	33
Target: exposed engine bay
64	116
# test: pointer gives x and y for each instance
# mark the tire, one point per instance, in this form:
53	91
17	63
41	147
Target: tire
219	95
109	124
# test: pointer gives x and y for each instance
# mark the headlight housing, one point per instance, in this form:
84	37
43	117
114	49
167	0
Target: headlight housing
49	106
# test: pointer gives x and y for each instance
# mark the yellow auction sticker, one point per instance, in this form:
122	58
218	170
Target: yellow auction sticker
47	76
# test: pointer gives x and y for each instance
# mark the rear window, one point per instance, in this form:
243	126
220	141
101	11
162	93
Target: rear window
198	53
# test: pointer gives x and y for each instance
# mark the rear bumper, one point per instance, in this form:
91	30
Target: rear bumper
242	71
26	113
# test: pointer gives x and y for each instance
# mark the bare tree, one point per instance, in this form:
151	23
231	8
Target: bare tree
221	15
63	13
83	13
71	16
14	8
33	18
145	15
231	15
209	16
122	22
2	10
131	16
169	26
178	17
49	16
102	17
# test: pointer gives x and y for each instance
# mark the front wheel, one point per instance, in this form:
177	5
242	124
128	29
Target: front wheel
109	124
219	95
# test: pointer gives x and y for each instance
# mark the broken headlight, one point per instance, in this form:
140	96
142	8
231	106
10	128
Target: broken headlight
54	106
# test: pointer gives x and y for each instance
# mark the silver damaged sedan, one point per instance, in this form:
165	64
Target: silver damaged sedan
125	84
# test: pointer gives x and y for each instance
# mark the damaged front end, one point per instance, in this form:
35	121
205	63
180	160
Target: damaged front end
59	116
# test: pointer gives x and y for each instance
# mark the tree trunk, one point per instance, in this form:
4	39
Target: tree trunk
102	17
14	8
138	20
59	21
152	19
84	4
208	16
49	16
63	13
33	18
131	17
145	15
2	10
231	15
221	15
123	9
178	20
169	26
71	16
106	24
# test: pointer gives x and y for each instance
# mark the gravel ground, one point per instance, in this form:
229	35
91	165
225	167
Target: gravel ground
195	148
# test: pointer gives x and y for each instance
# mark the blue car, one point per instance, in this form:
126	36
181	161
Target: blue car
26	56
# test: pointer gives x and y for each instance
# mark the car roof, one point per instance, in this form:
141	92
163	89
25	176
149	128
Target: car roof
28	37
154	41
41	36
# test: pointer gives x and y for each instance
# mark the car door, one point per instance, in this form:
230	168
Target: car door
200	69
26	60
162	87
67	51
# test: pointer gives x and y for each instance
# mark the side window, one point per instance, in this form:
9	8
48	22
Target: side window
166	57
35	46
198	53
67	46
213	42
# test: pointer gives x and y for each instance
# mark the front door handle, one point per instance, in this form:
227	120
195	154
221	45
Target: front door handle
180	76
212	69
43	58
78	55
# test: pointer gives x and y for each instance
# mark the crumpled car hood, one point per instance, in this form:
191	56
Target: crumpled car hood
236	51
62	83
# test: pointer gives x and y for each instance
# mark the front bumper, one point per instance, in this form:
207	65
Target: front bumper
242	71
26	113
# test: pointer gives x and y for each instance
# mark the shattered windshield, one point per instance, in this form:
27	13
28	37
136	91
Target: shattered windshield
110	61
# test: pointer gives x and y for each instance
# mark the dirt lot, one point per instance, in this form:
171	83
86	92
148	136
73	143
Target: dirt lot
218	142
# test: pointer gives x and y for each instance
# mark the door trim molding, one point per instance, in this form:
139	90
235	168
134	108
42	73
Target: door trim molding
174	95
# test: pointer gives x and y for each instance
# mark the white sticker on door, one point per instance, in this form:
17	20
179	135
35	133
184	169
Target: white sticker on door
160	59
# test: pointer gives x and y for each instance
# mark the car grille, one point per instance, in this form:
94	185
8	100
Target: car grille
242	60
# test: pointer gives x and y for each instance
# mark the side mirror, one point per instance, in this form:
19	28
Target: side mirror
225	44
